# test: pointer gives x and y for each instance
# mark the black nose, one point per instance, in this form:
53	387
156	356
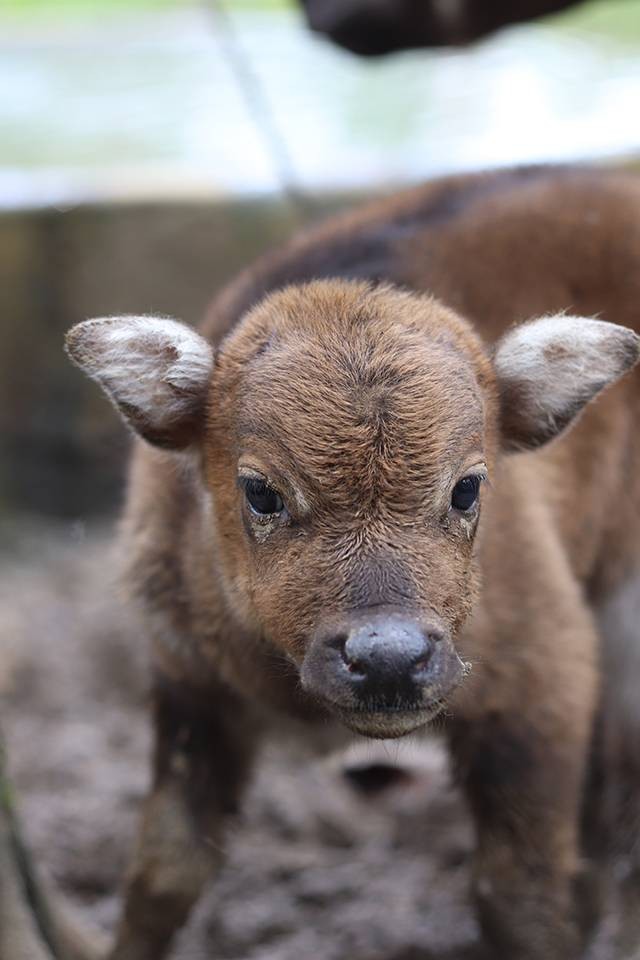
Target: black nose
387	656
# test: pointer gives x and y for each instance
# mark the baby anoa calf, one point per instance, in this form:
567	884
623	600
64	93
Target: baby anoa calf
347	506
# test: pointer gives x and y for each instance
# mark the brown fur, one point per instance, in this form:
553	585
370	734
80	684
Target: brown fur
362	404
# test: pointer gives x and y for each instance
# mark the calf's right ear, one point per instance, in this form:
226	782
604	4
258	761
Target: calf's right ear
155	371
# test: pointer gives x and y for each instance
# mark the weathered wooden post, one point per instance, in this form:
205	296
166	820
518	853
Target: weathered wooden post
25	924
31	928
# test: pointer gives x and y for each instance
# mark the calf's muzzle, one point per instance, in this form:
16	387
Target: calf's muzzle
383	671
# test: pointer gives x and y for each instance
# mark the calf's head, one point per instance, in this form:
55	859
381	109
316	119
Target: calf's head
345	436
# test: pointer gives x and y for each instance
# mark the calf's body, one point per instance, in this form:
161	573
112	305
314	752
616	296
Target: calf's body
348	508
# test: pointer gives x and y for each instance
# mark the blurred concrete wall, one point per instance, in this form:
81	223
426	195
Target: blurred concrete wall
62	447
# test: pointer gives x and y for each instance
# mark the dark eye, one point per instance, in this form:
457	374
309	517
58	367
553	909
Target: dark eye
465	493
263	499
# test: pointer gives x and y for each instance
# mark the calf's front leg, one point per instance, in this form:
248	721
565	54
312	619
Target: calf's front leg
203	752
523	773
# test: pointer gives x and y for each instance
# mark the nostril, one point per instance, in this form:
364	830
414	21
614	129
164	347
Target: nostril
423	661
356	667
339	642
354	664
421	664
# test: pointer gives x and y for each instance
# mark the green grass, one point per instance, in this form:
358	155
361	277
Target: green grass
51	8
80	6
618	20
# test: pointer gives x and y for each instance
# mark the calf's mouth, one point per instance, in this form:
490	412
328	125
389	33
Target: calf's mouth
383	673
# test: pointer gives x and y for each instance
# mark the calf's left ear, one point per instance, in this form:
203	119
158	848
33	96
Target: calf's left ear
549	369
155	371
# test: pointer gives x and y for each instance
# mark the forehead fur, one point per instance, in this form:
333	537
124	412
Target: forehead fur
348	382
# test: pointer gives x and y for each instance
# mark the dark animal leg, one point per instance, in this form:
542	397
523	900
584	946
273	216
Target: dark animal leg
203	755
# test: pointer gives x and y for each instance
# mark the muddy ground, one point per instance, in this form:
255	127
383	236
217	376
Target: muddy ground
317	869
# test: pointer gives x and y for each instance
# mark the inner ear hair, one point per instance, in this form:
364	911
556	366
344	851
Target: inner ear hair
550	368
155	370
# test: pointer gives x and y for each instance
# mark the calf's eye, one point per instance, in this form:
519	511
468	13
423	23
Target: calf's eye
263	500
465	493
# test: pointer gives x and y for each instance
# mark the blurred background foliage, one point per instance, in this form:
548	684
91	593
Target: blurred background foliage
122	98
151	148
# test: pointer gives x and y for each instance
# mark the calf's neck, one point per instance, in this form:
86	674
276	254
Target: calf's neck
393	475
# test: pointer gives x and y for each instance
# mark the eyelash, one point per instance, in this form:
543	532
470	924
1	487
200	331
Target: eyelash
256	490
464	495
